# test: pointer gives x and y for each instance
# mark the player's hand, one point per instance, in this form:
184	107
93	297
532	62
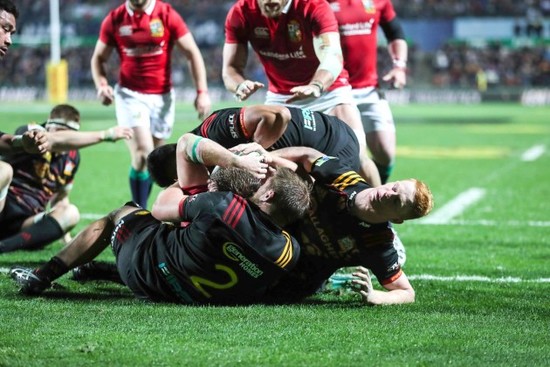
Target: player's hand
247	148
397	77
117	132
304	92
203	104
36	141
364	285
255	163
246	89
106	94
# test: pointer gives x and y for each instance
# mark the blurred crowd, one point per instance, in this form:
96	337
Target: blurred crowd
453	65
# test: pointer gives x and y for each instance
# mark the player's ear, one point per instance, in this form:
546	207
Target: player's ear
268	195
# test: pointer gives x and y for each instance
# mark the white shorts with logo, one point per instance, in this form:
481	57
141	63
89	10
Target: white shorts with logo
375	111
325	103
153	111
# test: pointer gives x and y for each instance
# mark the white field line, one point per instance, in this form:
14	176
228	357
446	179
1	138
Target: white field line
488	223
454	207
533	153
454	278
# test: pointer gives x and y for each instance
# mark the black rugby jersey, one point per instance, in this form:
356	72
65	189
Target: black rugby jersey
228	254
37	177
322	132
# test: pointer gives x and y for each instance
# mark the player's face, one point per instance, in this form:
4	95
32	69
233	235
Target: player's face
139	4
272	8
7	29
393	201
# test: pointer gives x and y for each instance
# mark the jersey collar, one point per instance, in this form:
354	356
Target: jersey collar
148	10
287	6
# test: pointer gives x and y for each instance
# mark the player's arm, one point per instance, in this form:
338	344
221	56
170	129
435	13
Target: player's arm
166	207
101	55
195	153
331	62
235	56
64	140
398	291
398	50
33	142
265	124
188	46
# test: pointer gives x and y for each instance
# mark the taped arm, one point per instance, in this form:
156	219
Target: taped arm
331	62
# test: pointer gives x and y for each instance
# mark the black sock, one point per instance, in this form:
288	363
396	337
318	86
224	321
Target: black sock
36	236
52	270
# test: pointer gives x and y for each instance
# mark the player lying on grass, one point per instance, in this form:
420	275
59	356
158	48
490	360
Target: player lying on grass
231	250
273	127
39	181
331	235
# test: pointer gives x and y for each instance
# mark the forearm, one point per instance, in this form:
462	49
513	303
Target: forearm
392	297
303	156
331	62
99	74
69	140
234	63
398	51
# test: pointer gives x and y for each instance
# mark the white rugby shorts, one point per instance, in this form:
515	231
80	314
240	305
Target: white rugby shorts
375	112
154	111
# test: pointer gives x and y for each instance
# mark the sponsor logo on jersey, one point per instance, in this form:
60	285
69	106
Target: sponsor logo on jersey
369	6
261	32
335	6
294	31
320	161
359	28
156	27
125	30
299	54
69	167
309	120
149	50
235	253
232	126
141	212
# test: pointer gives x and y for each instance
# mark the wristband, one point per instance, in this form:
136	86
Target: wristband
108	135
200	91
318	84
399	64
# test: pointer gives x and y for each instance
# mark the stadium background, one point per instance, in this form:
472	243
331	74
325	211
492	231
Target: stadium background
459	51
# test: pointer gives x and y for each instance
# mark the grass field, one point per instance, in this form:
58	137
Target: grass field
480	264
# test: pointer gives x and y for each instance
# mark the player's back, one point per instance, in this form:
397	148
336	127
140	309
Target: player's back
230	252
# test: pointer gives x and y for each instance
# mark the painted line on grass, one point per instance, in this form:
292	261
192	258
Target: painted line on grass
454	207
488	223
533	153
454	278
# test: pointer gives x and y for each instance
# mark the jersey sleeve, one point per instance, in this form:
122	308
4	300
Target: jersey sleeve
323	18
106	32
235	26
178	27
388	13
332	173
206	202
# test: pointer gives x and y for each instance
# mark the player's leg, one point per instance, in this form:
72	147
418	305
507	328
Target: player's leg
6	174
87	245
350	115
42	229
379	127
133	110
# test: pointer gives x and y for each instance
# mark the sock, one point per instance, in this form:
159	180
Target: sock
384	171
140	186
38	235
52	270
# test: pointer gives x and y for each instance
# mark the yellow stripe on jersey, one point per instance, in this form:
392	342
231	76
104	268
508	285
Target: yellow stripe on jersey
287	253
347	179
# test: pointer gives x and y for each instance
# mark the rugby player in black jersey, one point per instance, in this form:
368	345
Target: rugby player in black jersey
273	127
229	253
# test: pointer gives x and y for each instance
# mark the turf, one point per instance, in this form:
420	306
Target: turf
482	278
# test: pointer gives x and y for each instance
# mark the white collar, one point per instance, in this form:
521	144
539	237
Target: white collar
287	6
148	10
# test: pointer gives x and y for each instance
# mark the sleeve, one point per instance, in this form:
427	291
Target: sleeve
323	18
106	34
388	13
193	205
235	26
382	258
176	24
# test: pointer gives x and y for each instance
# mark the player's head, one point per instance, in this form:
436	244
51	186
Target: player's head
161	164
287	193
139	4
395	201
63	117
272	8
8	16
236	180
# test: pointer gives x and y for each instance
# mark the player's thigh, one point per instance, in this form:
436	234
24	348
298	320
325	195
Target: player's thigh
163	110
132	108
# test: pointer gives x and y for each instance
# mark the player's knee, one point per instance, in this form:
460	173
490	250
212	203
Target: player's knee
67	215
6	174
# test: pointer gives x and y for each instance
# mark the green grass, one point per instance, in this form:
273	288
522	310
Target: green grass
505	238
